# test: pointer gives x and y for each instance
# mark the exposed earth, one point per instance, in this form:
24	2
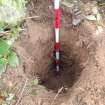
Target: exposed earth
81	80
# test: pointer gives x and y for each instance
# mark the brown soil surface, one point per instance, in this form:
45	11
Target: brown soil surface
82	70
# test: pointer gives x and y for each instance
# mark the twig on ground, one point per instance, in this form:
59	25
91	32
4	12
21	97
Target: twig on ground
56	96
22	91
31	17
9	32
4	33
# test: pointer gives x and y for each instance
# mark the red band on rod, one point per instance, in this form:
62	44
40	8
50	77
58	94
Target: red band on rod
57	62
57	46
57	18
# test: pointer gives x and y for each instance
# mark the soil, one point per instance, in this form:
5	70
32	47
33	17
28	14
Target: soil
82	55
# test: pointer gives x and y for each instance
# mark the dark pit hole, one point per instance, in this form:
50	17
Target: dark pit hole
70	71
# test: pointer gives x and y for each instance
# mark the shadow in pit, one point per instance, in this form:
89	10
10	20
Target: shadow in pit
70	71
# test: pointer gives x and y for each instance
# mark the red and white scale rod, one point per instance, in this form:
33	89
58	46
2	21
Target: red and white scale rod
57	34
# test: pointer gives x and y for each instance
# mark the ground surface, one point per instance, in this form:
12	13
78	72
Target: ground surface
82	72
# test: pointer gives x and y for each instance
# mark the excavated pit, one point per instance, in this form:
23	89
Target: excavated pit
72	55
70	71
73	51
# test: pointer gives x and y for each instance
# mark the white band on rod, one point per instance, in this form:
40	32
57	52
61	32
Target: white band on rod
56	4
